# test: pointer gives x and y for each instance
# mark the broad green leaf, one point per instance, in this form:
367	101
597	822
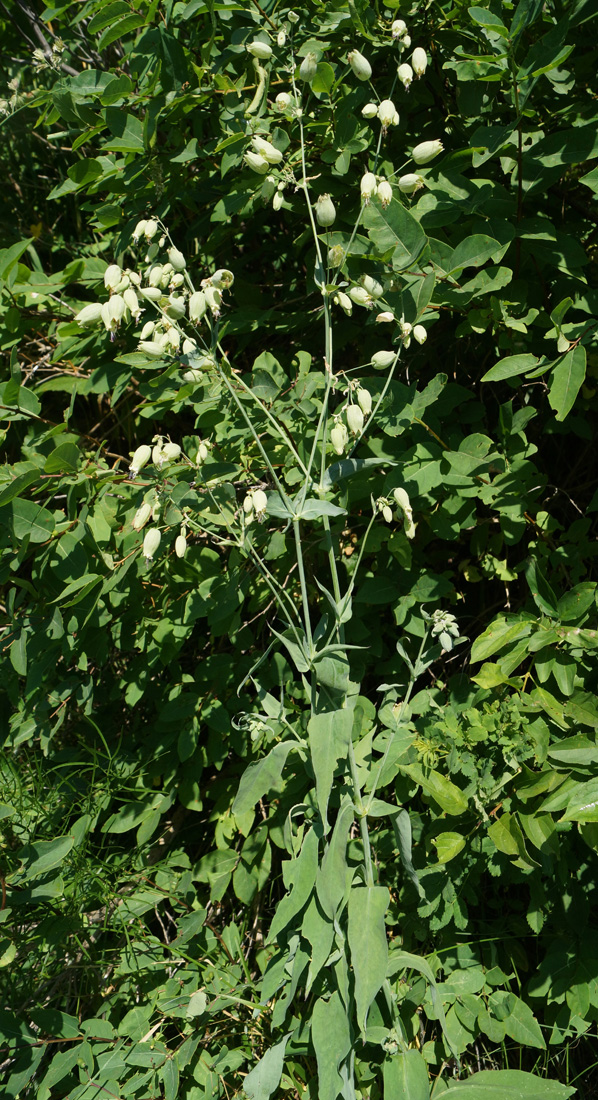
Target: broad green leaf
541	592
260	778
30	520
264	1078
497	636
302	877
328	735
583	802
315	509
406	1076
332	1040
368	944
448	845
508	1084
401	824
486	18
395	230
345	468
106	16
65	457
510	367
574	750
583	708
522	1026
567	379
18	485
44	855
472	252
449	797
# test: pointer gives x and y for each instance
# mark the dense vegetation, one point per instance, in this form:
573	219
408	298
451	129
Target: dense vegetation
299	785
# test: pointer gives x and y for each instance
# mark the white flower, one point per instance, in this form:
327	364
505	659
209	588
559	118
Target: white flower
405	75
420	334
426	151
370	110
386	113
410	183
419	61
368	186
384	192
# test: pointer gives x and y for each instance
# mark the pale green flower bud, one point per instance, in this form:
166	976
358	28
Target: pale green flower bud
177	280
256	162
387	513
410	183
382	359
151	348
373	287
173	338
404	505
339	437
405	42
147	330
426	151
399	28
151	228
116	309
151	543
248	504
155	276
197	306
213	299
386	113
283	102
336	255
360	65
364	399
278	201
177	259
132	302
189	346
324	210
134	277
259	49
139	229
142	515
385	318
308	67
112	276
268	188
223	279
139	459
384	192
405	75
203	453
360	296
260	504
355	419
341	299
90	315
293	17
152	293
122	285
367	186
419	60
420	334
176	307
267	150
180	546
370	110
281	38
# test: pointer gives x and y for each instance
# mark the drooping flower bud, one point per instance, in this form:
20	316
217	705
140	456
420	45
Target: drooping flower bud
259	49
308	67
177	259
404	505
360	65
173	338
223	279
281	38
336	255
370	110
132	302
155	276
176	307
112	276
213	299
339	437
410	183
139	459
384	192
360	296
341	299
180	546
177	280
151	543
151	348
405	75
399	28
364	399
260	504
197	306
256	162
248	504
267	150
90	315
278	201
147	330
152	293
142	515
324	210
420	334
405	42
193	375
116	309
268	188
426	151
384	318
386	113
419	60
367	186
189	346
151	228
382	359
355	419
387	512
373	287
139	229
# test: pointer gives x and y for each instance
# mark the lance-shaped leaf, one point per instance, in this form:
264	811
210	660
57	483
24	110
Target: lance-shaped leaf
264	1078
368	944
332	880
332	1040
329	735
302	875
260	778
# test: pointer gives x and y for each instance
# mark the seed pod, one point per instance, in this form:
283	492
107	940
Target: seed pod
142	515
364	399
386	113
260	504
177	259
405	75
151	543
360	296
112	276
420	334
180	546
355	419
267	150
213	299
339	437
426	151
410	183
341	299
139	459
324	210
367	186
155	276
370	110
256	162
419	60
384	192
259	49
399	28
382	359
139	229
132	302
151	348
223	279
152	293
197	306
308	67
360	65
90	315
151	228
373	287
177	307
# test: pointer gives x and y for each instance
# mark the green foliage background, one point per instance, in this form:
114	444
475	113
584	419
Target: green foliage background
185	889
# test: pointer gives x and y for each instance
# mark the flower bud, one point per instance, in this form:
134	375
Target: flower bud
147	330
177	280
386	113
139	229
426	151
122	285
384	193
419	60
189	346
260	504
213	299
248	504
267	150
382	359
355	419
268	188
360	296
339	437
293	17
308	67
281	38
364	400
170	452
278	201
283	101
405	75
203	453
336	255
173	338
177	259
256	162
404	504
385	317
410	183
176	307
90	315
139	459
420	334
325	212
387	513
373	287
399	28
142	515
151	543
152	293
367	186
116	309
151	348
151	228
197	306
370	110
259	49
132	302
155	276
406	330
223	279
405	42
134	277
112	276
341	299
360	65
180	546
